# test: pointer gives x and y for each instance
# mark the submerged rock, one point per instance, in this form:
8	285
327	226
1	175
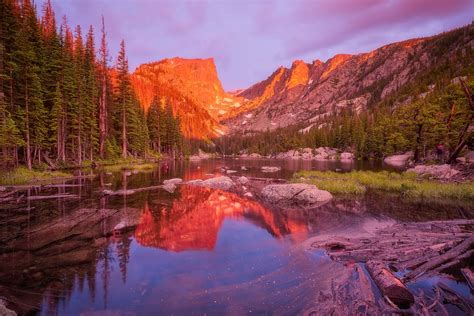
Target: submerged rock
444	172
270	169
399	160
230	171
301	194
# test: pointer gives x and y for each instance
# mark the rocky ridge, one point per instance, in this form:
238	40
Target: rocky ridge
307	93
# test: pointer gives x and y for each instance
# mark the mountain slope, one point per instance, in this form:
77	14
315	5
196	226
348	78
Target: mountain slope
306	93
193	89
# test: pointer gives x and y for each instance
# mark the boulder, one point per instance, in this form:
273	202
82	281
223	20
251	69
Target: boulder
200	155
444	172
346	156
223	183
243	180
230	171
293	154
243	168
254	155
301	194
169	187
173	181
270	169
398	160
469	156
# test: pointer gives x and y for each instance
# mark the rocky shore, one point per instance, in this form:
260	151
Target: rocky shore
320	153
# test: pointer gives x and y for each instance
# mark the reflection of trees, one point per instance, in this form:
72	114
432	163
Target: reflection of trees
194	219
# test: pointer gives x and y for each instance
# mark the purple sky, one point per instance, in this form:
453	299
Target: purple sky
249	39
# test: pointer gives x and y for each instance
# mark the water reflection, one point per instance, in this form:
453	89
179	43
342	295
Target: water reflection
194	220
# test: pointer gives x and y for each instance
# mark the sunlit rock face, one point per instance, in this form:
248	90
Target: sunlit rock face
194	220
307	93
193	89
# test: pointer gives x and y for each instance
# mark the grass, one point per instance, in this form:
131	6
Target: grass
407	184
121	165
23	175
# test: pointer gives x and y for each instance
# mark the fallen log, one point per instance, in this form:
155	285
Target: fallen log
131	191
469	276
263	179
457	263
8	194
62	185
439	260
54	196
389	285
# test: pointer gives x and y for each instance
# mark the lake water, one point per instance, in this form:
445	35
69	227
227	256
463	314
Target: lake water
192	252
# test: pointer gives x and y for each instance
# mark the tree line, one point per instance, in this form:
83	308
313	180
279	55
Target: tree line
62	103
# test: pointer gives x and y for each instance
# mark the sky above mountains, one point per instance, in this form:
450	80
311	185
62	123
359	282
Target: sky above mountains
249	39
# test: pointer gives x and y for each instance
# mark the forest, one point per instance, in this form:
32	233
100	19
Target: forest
62	103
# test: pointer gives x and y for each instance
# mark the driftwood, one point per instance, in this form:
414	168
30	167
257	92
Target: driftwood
131	191
389	285
430	247
438	260
62	185
262	179
54	196
469	276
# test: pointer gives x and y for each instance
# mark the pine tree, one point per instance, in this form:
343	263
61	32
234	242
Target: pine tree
103	92
154	117
123	97
77	112
90	96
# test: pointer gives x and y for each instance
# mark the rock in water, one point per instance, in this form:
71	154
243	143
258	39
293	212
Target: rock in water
346	156
398	160
223	183
270	169
243	180
300	194
173	181
169	187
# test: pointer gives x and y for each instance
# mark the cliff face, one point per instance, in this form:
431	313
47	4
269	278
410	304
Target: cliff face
193	89
307	92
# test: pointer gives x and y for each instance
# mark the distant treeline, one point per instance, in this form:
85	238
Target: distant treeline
60	101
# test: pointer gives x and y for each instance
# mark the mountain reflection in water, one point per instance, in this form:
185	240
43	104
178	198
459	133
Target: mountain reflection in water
194	220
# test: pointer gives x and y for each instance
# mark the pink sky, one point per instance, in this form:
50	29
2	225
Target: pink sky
249	39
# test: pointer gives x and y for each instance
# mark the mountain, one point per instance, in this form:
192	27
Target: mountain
303	94
193	89
306	93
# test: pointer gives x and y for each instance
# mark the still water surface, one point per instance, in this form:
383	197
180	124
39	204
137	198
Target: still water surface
194	251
